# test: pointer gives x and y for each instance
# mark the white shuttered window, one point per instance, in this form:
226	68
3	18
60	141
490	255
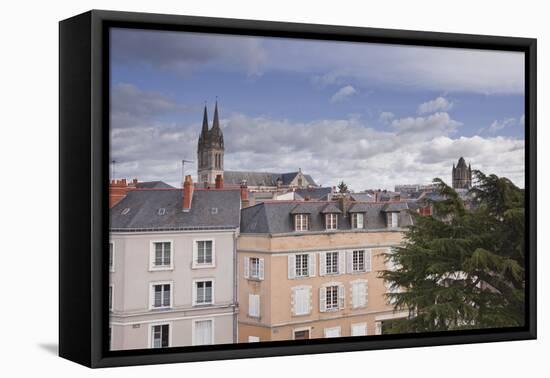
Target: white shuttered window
254	305
301	300
359	293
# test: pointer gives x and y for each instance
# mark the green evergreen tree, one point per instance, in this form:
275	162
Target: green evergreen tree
342	187
463	267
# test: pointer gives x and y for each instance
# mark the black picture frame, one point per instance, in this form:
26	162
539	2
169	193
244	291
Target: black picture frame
84	177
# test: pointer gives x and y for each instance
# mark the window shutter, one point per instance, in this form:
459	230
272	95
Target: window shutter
341	262
368	260
323	299
253	305
322	264
355	295
350	261
246	268
308	300
341	296
195	253
311	264
293	298
261	270
291	266
365	293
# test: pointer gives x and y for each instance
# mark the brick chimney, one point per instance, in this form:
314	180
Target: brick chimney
219	182
187	193
118	189
244	195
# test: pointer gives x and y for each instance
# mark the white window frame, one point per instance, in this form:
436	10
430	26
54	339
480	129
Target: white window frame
112	256
293	270
355	221
393	219
111	297
194	289
357	325
303	224
193	330
253	339
327	330
248	268
294	302
196	264
301	329
298	271
332	261
152	266
331	221
150	339
152	294
254	312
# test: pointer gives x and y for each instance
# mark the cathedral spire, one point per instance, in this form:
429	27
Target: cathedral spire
204	130
216	125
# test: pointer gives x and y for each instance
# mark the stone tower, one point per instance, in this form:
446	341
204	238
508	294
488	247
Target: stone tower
462	175
210	150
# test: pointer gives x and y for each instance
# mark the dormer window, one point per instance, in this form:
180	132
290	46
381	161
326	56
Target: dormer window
301	222
393	219
331	221
358	220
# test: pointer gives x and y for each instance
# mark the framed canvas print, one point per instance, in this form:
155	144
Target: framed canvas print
234	188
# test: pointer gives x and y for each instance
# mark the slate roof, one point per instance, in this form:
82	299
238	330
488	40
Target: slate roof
275	217
367	197
144	205
262	178
153	185
314	193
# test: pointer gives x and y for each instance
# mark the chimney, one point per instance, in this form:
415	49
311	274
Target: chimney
219	182
344	205
244	194
187	193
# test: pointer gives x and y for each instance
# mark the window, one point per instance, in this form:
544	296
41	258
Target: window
203	253
359	293
301	300
253	268
357	220
359	329
378	328
254	305
332	332
162	295
331	221
203	332
161	255
110	297
204	292
301	222
359	261
393	219
331	262
111	257
331	297
160	336
253	339
302	265
301	334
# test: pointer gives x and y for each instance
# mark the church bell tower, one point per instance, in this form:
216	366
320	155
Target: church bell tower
210	150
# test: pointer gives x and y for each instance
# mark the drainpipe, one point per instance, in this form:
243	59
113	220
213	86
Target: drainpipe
235	289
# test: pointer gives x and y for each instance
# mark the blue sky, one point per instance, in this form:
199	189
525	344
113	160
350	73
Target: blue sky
371	115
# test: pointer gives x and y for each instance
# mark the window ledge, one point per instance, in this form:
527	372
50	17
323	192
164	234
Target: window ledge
203	266
160	269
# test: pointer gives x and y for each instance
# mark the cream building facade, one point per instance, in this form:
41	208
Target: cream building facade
310	269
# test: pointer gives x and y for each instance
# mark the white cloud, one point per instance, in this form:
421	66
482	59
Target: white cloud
501	124
438	104
386	117
522	120
343	93
431	126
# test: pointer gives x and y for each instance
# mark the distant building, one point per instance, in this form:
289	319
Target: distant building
118	189
413	188
462	175
309	269
210	164
172	266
